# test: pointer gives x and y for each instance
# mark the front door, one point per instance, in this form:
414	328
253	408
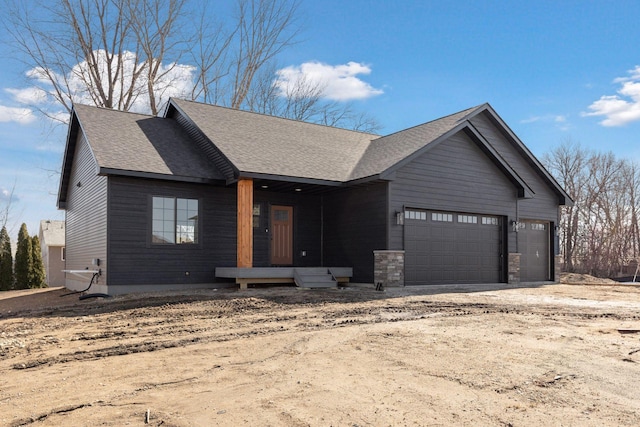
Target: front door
281	235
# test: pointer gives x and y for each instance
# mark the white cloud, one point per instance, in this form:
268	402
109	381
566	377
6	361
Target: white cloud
6	196
338	82
22	116
176	80
621	109
546	118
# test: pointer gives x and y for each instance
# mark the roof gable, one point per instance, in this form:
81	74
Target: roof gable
52	233
393	150
123	141
257	144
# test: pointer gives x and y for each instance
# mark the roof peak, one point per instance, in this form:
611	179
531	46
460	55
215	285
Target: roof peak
270	116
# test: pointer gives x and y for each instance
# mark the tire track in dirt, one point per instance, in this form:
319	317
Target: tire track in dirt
168	324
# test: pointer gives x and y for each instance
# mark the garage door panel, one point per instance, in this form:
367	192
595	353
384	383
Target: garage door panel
533	243
452	248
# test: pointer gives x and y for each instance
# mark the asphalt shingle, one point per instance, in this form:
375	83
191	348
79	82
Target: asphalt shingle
264	144
253	143
137	142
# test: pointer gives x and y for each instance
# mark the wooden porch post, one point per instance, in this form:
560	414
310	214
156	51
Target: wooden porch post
245	223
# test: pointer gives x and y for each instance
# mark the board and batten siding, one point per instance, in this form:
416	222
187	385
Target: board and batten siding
454	176
354	224
86	217
135	260
544	204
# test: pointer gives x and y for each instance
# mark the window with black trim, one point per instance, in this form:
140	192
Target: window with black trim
174	221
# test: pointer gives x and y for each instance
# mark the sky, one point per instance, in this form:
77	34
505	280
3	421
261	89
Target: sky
553	70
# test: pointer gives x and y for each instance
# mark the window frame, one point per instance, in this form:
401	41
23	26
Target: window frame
175	222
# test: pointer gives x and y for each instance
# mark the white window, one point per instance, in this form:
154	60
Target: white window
174	220
413	214
536	226
490	220
467	219
441	217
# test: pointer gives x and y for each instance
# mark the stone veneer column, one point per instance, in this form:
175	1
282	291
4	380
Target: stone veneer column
514	268
557	268
388	268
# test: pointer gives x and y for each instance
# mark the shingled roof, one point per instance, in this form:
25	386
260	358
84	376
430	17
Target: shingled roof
385	152
128	142
261	144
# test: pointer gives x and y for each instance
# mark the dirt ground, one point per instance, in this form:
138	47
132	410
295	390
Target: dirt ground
555	355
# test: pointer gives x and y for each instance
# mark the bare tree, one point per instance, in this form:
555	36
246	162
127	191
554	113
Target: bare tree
599	234
567	163
265	28
131	55
302	99
6	206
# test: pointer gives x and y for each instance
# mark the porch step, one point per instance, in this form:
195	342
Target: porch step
314	278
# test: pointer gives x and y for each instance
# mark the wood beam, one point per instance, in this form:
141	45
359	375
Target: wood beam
245	223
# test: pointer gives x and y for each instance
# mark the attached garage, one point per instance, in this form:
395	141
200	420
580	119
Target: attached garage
533	241
452	247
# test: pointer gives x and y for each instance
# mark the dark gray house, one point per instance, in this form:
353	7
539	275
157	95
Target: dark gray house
211	196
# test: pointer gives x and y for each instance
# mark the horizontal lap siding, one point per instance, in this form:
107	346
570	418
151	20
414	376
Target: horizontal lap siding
354	226
306	228
86	216
453	176
544	205
134	260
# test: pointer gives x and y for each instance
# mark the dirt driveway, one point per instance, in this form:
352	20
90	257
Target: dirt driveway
552	355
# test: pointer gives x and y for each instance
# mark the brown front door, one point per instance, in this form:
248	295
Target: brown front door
281	235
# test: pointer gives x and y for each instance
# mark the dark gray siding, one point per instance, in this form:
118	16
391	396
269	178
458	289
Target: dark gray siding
205	145
86	216
453	176
355	224
544	205
134	260
306	228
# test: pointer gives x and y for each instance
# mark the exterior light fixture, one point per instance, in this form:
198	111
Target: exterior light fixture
399	218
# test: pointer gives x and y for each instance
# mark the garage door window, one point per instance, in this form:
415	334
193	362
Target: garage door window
419	215
441	217
538	227
467	219
490	220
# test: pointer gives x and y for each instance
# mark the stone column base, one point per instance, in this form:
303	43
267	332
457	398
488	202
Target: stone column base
514	268
557	264
388	268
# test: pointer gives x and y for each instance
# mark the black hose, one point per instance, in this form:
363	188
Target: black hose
95	275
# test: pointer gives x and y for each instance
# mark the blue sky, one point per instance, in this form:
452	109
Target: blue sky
545	66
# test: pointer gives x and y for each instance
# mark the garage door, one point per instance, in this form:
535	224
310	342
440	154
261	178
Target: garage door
533	243
449	247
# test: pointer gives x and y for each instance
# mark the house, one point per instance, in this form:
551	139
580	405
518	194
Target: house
212	196
51	236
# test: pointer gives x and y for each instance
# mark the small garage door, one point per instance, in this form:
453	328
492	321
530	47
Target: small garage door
533	243
449	247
